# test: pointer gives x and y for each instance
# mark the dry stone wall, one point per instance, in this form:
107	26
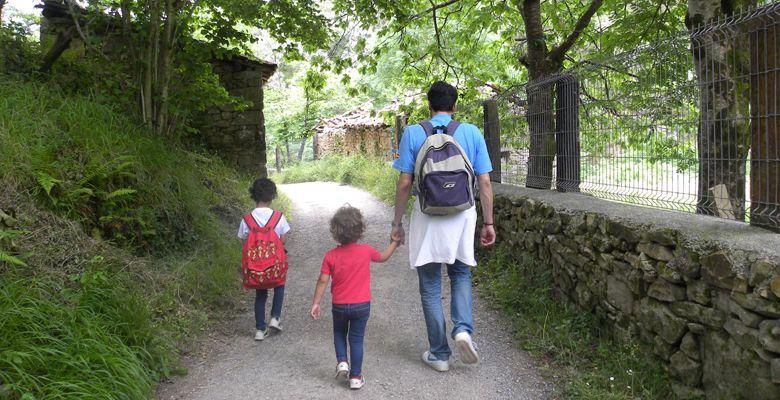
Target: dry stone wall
238	136
702	294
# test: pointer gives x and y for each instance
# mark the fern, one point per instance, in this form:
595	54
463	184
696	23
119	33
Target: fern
47	182
120	193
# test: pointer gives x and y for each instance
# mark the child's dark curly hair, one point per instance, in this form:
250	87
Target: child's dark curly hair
263	190
346	226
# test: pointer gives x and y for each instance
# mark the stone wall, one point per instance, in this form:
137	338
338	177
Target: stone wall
239	136
702	294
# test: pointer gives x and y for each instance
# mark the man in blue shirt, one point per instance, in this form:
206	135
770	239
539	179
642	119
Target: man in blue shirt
437	240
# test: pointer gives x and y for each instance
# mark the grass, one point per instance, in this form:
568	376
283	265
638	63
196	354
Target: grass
371	174
127	244
576	352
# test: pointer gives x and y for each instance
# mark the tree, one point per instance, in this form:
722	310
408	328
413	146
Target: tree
723	138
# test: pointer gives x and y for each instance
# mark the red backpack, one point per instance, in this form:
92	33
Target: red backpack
264	262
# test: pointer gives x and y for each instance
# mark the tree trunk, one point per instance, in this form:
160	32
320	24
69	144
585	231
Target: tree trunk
289	155
723	138
765	127
301	150
61	43
278	159
149	78
164	68
540	115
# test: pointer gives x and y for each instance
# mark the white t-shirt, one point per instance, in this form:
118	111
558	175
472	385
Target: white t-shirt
442	239
262	215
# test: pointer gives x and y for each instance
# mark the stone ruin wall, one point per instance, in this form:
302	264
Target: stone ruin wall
239	136
702	294
375	141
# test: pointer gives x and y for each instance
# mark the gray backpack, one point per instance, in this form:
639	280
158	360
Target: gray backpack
443	175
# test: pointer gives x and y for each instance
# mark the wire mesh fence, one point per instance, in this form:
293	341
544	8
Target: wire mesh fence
689	123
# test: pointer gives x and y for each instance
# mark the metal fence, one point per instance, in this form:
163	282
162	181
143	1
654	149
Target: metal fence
689	123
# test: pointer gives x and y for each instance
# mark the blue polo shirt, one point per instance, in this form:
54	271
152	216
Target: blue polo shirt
468	137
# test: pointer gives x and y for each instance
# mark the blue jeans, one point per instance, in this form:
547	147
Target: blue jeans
460	304
276	307
349	320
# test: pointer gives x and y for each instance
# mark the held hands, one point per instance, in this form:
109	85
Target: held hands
315	311
487	236
398	235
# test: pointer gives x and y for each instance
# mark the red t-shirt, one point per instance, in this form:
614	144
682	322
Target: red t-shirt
349	268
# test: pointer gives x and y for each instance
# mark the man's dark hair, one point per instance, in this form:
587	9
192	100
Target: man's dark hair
263	190
442	96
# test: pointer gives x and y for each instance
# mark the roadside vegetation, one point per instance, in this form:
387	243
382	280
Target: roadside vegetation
117	247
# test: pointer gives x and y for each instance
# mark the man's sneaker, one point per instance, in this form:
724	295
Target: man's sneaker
465	346
342	370
356	383
275	324
261	334
435	363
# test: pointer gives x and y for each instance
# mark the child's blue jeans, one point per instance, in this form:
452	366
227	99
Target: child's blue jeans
276	307
349	321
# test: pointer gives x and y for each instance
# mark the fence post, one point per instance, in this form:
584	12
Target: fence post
567	134
493	137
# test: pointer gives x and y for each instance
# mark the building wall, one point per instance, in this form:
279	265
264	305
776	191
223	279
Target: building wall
374	141
701	293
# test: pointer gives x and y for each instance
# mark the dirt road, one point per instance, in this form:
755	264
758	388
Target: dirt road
299	363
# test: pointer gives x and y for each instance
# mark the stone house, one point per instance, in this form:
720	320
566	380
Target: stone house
358	131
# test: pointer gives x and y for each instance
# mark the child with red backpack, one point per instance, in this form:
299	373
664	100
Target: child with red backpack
264	260
349	267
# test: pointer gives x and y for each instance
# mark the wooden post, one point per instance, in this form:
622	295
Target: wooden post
567	134
493	137
314	146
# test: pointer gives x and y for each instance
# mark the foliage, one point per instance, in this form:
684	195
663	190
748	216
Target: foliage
372	174
583	358
18	53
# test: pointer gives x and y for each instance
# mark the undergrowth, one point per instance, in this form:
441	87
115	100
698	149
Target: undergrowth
371	174
583	360
116	246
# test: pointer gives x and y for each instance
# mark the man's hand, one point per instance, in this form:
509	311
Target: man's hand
487	236
398	235
315	311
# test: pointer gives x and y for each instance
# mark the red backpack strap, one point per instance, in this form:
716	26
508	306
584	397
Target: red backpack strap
250	222
274	220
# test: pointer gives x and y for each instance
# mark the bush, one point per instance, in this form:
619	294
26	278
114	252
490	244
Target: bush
372	174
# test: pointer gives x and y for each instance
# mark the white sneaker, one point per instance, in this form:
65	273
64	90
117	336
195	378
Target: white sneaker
439	365
260	335
465	346
342	370
356	383
275	324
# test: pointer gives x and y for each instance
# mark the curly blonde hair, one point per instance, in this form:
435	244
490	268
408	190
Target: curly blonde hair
347	226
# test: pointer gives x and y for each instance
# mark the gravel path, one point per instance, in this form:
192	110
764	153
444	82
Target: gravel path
299	363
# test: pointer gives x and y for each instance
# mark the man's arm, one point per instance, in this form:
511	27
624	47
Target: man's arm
402	190
487	235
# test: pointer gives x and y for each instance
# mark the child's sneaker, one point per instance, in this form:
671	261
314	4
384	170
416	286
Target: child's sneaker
275	324
356	383
433	362
466	348
261	334
342	370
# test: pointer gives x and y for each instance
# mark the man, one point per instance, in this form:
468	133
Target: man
437	240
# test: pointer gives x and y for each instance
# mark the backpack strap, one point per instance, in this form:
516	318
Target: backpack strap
274	220
448	130
251	223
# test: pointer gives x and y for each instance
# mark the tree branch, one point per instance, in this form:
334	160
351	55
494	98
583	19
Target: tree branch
558	52
433	8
